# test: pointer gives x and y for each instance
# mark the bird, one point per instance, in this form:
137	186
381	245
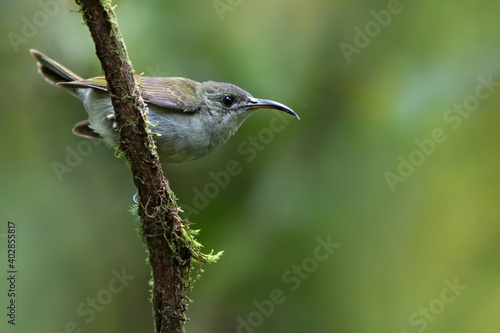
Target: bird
191	118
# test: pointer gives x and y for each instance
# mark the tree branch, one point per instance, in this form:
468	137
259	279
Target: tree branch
167	237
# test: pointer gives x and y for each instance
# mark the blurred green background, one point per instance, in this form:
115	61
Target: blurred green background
368	79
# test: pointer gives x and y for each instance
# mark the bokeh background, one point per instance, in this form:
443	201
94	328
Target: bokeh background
401	243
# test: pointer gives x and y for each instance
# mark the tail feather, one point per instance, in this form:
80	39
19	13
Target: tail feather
52	71
58	75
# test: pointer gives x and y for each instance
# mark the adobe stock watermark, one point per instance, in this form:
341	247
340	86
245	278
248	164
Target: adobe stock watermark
421	318
293	279
31	25
89	309
74	157
249	149
223	6
373	28
453	117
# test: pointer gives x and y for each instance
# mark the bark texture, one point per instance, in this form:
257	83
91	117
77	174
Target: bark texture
164	233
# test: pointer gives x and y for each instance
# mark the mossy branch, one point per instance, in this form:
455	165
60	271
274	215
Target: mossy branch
170	242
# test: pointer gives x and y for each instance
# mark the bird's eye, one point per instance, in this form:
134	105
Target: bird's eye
227	100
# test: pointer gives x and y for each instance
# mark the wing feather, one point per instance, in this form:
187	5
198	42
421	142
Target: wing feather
170	92
174	93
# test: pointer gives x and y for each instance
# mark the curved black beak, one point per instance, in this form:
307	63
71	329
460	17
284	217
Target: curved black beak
255	103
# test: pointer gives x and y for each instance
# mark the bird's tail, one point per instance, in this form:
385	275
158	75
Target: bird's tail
52	71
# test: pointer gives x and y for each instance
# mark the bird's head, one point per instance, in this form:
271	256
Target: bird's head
228	104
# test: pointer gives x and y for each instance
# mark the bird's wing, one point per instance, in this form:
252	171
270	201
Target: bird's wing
175	93
95	83
170	92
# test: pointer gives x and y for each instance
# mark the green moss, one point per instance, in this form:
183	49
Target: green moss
189	239
151	124
134	211
118	153
172	195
